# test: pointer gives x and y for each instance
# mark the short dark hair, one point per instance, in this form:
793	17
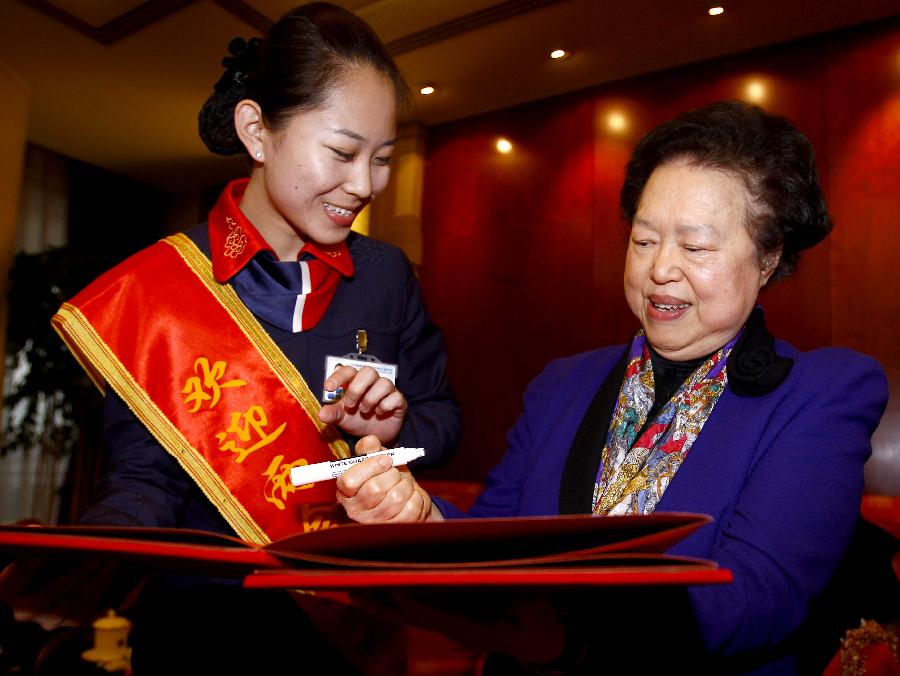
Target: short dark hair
303	54
774	159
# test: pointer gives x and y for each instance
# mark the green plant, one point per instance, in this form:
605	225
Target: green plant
49	398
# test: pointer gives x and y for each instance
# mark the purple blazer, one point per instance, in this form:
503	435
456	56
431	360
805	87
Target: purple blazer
781	473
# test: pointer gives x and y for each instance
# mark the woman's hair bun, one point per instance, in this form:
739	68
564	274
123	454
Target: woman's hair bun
216	119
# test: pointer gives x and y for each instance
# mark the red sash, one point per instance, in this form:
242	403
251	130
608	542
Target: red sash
209	383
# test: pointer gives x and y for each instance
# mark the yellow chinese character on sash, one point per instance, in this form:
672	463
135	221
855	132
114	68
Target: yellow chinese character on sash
254	426
278	480
205	386
320	517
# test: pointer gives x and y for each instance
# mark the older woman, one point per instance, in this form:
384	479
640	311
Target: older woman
704	411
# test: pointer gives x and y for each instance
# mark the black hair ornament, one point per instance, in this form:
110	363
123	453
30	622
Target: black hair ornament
216	119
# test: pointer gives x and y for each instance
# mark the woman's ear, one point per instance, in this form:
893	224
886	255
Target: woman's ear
768	265
249	124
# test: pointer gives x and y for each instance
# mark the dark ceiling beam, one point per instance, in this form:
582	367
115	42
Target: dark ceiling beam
463	24
246	13
115	29
423	38
154	10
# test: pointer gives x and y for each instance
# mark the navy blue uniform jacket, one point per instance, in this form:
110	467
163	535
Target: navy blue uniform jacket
145	486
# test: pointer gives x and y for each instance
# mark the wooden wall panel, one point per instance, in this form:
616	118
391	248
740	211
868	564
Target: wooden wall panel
863	116
500	281
524	253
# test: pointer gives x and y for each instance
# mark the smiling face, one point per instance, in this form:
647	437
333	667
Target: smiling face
320	169
692	272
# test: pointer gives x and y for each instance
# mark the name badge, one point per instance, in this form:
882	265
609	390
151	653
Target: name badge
357	361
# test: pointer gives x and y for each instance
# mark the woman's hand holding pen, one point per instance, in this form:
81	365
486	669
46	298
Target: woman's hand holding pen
371	404
373	491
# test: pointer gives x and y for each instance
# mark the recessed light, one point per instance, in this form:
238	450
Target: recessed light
755	91
715	11
504	146
558	53
616	121
427	90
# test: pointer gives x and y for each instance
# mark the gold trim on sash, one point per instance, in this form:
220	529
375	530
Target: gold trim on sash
256	334
63	323
104	362
103	366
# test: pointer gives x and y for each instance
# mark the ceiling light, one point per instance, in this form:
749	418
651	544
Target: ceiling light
558	53
755	91
427	90
504	146
715	11
616	121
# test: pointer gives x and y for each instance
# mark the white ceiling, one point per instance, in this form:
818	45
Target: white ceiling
131	105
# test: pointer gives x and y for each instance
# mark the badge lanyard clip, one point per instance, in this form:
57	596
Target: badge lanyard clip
357	360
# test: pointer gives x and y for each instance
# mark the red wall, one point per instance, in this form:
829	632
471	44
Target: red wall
523	253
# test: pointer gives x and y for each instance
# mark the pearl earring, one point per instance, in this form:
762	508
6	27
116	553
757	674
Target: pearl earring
259	154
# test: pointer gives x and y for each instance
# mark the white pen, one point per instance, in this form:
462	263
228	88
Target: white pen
322	471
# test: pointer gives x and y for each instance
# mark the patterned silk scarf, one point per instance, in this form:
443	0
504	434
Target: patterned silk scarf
635	471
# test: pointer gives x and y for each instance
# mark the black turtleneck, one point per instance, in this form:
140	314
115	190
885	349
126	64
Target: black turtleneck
668	376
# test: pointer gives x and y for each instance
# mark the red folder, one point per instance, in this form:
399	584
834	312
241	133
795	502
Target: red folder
550	552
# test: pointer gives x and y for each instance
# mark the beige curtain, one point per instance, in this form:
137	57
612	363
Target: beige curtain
29	479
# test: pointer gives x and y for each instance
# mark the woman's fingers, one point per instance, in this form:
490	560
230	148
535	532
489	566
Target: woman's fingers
367	474
374	491
393	404
371	404
377	395
412	510
381	498
357	387
368	444
340	378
